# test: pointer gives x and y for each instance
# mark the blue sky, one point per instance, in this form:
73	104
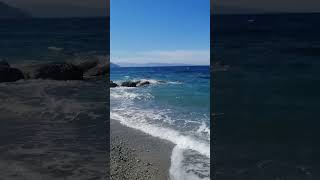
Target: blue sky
160	31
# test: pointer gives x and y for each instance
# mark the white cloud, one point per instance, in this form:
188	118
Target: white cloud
198	57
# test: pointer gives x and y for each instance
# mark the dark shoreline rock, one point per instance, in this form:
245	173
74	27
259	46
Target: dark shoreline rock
4	63
144	83
98	70
59	71
129	84
87	65
8	74
112	84
91	67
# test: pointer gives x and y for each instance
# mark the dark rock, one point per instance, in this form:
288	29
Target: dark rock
4	63
129	84
144	83
89	64
8	74
99	70
112	84
59	71
29	70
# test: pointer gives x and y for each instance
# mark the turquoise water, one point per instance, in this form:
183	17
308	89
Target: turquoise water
175	107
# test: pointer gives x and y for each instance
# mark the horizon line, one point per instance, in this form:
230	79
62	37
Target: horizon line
264	13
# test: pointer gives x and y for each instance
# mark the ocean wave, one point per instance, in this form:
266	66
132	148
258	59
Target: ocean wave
39	98
179	167
138	108
190	159
142	82
54	48
182	141
123	94
188	169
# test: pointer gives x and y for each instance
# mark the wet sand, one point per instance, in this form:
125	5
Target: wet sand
136	155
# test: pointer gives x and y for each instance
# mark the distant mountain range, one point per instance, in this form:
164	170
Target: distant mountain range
112	65
7	11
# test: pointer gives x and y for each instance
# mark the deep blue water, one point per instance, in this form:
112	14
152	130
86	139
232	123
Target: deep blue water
269	96
174	107
52	39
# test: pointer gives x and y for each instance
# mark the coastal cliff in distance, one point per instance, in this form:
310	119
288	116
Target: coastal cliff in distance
112	65
7	11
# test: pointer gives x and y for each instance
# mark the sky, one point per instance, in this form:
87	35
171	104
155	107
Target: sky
166	31
62	8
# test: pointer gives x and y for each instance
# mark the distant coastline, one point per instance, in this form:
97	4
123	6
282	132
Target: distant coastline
154	65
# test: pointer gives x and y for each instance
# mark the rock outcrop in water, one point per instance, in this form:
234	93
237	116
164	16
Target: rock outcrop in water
130	83
112	84
4	63
9	74
77	70
99	70
94	66
87	65
59	71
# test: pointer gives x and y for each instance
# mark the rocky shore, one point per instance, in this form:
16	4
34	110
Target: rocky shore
77	70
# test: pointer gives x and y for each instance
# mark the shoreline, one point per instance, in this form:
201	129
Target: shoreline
137	155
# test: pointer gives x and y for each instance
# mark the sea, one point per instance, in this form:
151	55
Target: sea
266	104
53	129
174	107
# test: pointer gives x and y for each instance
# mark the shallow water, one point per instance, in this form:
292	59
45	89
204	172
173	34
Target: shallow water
174	107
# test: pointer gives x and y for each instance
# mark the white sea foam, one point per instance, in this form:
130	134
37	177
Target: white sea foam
182	141
36	98
179	170
54	48
153	122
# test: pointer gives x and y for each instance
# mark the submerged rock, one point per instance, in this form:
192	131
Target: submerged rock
8	74
112	84
135	83
143	83
59	71
129	84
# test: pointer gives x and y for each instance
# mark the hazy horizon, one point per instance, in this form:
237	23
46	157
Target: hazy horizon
128	64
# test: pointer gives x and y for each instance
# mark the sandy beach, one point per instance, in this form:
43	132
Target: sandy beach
136	155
